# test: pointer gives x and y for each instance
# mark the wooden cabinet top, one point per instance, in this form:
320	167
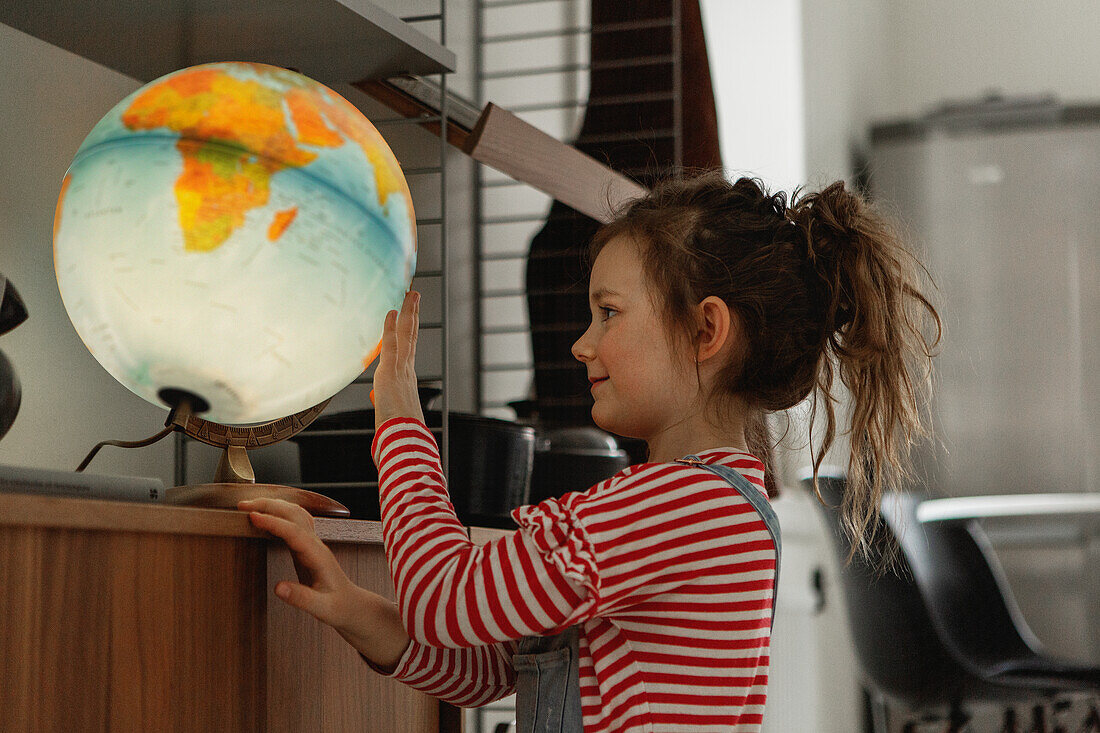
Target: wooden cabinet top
122	516
32	510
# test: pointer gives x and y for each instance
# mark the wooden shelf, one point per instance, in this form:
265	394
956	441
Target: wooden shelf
514	147
31	510
328	40
499	139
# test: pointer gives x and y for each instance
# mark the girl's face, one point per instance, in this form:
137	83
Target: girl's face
640	387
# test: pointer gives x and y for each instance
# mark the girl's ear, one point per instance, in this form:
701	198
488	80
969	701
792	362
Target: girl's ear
716	328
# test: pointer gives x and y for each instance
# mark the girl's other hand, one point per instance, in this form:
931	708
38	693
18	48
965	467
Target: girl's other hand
394	393
369	622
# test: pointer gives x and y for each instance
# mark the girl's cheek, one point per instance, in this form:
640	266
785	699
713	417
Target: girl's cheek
603	345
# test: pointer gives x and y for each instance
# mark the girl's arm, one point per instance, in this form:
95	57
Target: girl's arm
372	624
467	678
453	593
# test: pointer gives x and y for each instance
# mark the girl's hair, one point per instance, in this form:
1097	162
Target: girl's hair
822	289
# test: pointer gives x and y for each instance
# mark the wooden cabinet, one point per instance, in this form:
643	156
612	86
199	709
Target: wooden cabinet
124	616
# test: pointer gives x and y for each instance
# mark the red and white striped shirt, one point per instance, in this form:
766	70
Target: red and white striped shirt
667	569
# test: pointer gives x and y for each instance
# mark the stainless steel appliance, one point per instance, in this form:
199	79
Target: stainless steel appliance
1002	197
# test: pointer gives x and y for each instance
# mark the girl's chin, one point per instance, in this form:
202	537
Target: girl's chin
606	421
602	419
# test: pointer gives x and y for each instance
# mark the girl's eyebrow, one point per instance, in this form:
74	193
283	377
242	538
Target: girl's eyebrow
601	294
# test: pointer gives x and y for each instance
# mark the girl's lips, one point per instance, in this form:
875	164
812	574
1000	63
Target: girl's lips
594	382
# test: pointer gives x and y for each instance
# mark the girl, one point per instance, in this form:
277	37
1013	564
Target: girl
644	603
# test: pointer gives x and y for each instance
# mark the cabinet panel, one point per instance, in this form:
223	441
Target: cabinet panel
122	616
130	631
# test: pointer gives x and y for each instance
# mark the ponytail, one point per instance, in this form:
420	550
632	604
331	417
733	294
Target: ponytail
876	318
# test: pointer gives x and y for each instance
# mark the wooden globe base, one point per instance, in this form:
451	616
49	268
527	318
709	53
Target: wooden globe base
226	496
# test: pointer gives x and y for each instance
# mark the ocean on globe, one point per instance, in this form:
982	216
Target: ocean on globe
237	231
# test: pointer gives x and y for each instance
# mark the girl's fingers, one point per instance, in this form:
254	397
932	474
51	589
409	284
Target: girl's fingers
415	324
278	508
313	561
395	375
296	538
387	353
408	326
303	597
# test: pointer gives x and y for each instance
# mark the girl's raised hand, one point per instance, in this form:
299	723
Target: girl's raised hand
394	393
369	622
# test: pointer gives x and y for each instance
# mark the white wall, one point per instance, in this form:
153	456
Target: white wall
943	49
866	61
755	54
844	45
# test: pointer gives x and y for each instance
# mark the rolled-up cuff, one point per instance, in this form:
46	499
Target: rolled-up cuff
559	536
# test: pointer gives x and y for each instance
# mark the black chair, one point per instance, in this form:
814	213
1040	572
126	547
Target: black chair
940	630
971	605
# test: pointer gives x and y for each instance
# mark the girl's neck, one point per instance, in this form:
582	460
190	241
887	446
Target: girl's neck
695	435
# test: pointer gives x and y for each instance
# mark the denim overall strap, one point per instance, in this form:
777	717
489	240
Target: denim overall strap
548	683
759	502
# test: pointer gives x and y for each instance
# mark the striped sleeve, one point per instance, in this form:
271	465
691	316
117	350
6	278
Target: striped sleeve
467	678
453	593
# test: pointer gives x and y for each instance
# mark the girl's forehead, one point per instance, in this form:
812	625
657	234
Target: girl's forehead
618	262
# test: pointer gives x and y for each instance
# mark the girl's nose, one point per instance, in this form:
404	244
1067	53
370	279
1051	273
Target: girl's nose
582	349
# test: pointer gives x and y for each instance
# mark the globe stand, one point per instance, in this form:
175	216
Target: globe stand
234	479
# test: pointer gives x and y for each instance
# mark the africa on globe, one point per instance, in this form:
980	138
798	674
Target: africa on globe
237	231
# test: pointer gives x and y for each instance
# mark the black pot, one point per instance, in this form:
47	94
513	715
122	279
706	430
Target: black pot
10	394
12	313
489	470
574	459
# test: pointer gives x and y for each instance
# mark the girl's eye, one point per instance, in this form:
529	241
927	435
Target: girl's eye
607	312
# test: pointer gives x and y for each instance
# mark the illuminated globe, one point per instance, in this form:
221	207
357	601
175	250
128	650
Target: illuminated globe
236	231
